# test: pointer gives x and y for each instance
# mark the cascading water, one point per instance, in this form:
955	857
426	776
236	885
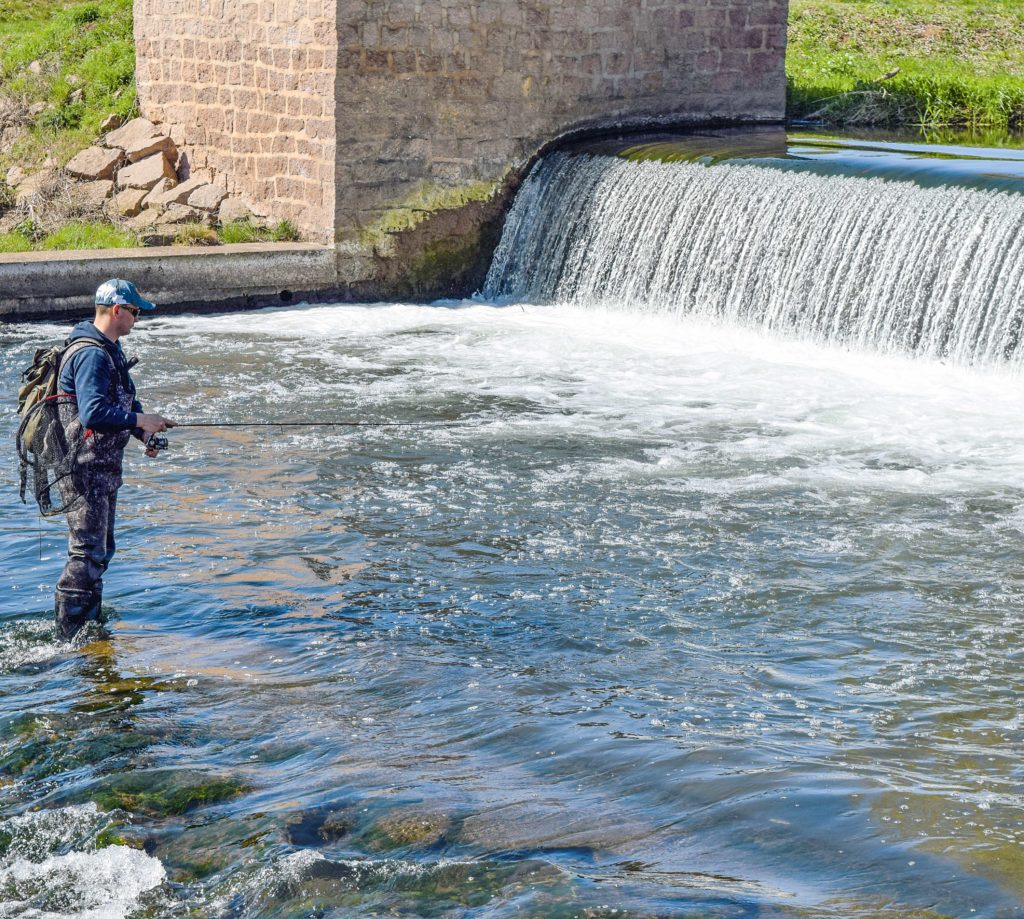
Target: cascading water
871	263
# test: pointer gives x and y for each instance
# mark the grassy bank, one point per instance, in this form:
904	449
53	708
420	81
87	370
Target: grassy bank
957	63
102	234
63	69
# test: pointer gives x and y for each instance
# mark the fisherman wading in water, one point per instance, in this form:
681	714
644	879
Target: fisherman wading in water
104	404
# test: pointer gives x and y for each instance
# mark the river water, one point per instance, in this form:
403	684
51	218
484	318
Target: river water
669	618
694	589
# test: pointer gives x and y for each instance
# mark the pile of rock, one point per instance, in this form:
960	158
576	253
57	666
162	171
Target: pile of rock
134	174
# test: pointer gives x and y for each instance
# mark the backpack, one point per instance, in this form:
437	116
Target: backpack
42	446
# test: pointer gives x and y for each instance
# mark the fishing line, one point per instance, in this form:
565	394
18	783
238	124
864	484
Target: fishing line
316	424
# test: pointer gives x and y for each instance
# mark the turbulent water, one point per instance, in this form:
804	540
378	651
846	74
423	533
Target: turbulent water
862	261
667	618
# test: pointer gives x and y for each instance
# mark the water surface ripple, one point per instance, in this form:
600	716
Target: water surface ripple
677	620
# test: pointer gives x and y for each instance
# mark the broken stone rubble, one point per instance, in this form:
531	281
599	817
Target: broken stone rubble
139	139
95	163
129	173
146	173
128	203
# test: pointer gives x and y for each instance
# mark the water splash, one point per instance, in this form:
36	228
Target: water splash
867	263
51	866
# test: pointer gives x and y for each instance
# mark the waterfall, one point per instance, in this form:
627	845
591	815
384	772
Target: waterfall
864	262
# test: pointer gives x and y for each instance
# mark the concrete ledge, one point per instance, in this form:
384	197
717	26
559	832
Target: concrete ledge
50	285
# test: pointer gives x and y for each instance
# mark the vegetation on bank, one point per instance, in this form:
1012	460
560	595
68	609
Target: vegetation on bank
954	63
63	70
102	234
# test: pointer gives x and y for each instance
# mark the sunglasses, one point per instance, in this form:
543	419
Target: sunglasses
134	310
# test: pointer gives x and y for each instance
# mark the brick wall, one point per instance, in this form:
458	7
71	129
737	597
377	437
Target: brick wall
248	88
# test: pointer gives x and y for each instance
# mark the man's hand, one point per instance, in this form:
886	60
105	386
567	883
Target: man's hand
154	424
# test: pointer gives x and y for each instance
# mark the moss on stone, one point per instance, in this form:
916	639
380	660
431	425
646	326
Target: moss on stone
165	794
119	837
418	829
442	261
426	200
59	743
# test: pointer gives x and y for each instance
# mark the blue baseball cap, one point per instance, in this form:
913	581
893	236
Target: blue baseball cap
117	292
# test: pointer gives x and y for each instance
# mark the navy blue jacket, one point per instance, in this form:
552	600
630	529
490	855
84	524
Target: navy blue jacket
87	376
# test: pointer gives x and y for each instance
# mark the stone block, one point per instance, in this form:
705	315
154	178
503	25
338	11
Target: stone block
176	214
92	195
95	163
40	185
176	194
207	197
142	222
146	173
139	139
128	203
232	209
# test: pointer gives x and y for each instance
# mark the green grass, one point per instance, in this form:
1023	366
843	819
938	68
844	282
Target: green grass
960	62
83	46
196	234
15	242
243	231
100	234
94	234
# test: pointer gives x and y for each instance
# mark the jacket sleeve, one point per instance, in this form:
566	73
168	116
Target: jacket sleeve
96	410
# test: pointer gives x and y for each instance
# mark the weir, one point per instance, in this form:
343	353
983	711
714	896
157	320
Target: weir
863	262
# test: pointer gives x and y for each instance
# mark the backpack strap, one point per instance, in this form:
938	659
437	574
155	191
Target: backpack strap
80	345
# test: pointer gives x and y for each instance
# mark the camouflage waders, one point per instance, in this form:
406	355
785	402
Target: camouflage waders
91	518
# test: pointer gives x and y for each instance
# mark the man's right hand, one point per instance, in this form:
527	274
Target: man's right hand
154	424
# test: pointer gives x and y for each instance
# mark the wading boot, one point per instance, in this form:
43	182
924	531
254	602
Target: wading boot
74	611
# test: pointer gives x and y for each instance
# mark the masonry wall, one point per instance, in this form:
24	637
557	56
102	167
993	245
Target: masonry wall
248	89
393	127
452	92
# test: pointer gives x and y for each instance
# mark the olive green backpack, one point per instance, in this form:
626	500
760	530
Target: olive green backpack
43	449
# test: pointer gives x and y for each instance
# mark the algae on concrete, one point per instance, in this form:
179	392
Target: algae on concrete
427	200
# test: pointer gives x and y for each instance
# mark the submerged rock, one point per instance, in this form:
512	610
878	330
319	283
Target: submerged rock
319	826
164	793
408	828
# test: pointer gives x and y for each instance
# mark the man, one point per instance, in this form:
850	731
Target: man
106	408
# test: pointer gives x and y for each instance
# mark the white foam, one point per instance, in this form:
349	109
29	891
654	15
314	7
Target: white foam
40	882
694	394
80	885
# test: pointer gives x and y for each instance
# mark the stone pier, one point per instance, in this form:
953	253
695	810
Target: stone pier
394	129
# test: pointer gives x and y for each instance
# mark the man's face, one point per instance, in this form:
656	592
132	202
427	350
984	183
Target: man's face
124	316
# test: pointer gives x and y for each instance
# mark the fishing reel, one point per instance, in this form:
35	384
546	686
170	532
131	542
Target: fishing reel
157	443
